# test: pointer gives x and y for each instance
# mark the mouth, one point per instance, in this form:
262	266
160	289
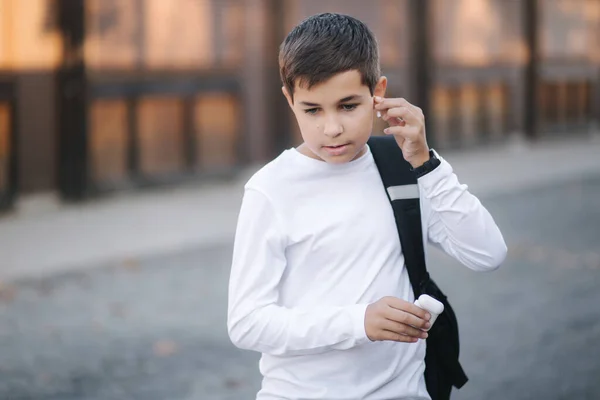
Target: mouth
337	150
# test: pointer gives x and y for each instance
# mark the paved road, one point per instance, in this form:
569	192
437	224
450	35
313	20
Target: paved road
155	329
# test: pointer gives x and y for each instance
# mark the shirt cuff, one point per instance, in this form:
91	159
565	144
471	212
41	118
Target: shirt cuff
430	180
357	314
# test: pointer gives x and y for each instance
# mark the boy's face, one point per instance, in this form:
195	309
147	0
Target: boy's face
335	117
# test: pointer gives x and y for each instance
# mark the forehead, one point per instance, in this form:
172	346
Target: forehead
332	90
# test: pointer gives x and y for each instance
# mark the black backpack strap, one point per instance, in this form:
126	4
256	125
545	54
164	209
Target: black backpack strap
443	370
401	187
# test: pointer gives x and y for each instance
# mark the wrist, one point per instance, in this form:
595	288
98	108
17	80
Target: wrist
421	159
429	165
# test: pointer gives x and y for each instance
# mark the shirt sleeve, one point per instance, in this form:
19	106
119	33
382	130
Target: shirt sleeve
256	321
459	223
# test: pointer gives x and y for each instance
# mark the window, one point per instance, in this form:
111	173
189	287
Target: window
217	121
160	135
108	140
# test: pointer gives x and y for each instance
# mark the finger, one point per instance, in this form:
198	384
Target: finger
397	327
418	111
406	113
400	140
406	317
397	337
407	132
393	121
403	305
384	104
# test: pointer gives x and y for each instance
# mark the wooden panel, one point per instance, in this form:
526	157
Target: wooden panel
573	107
467	32
391	31
232	28
291	15
562	102
5	127
496	104
113	37
108	140
577	102
477	32
28	39
160	135
356	8
442	115
565	104
469	109
5	34
549	102
155	34
587	100
569	28
469	113
216	126
386	18
183	38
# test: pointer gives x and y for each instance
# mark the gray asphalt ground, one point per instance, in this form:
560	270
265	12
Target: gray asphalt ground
155	328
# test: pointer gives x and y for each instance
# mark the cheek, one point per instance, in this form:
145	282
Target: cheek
309	127
361	118
309	124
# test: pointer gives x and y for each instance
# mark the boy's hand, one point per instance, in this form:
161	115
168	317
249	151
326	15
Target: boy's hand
407	124
394	319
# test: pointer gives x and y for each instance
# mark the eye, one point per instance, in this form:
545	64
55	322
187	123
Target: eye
349	107
311	111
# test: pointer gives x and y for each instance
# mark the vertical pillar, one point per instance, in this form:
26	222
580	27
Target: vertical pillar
279	115
8	132
255	93
72	103
421	61
531	11
595	103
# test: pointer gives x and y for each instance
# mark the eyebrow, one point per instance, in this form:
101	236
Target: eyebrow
345	99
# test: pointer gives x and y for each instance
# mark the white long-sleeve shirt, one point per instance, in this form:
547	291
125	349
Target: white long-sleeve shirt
315	244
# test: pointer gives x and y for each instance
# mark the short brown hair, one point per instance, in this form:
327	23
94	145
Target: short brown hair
327	44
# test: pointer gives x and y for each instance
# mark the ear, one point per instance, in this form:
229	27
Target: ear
380	87
288	97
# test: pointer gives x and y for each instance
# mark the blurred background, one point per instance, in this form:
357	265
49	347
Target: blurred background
127	131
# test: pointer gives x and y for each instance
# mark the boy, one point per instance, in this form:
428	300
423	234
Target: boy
318	283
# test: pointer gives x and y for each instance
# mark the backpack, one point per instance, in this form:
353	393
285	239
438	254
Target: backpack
442	368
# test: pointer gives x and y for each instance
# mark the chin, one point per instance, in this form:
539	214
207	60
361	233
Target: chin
342	159
338	160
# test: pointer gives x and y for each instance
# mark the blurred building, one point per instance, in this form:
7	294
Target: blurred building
97	95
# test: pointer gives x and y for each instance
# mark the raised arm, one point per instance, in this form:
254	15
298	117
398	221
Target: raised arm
459	223
456	219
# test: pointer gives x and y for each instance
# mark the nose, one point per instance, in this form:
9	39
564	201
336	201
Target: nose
333	128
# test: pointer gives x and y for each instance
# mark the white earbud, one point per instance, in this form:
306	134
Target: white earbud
433	306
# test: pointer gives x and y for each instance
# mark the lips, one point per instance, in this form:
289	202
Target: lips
337	150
